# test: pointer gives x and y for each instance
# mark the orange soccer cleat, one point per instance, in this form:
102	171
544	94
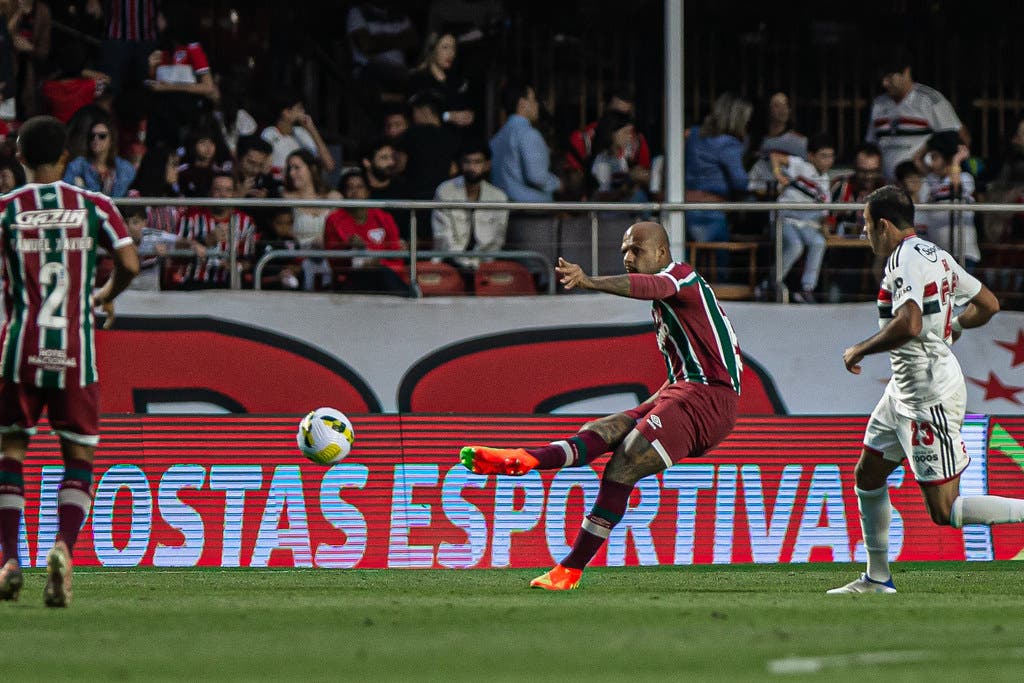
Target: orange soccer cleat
558	579
511	461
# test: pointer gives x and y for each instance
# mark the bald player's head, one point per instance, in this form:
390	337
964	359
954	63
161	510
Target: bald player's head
645	248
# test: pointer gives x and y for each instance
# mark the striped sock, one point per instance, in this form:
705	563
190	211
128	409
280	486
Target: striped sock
12	503
612	499
74	499
575	451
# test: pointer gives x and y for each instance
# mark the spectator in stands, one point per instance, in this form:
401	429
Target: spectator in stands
29	24
396	122
611	177
903	118
251	176
714	166
370	229
216	227
1008	187
380	165
101	169
181	84
635	152
158	177
7	103
304	179
474	230
776	133
521	165
153	245
279	273
855	187
204	158
293	130
431	149
73	86
946	183
12	175
435	74
910	178
380	35
804	181
131	37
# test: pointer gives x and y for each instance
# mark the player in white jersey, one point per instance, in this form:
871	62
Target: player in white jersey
922	408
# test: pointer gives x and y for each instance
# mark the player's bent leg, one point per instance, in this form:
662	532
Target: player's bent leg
634	459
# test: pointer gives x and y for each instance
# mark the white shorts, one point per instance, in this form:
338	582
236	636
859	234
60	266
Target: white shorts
928	436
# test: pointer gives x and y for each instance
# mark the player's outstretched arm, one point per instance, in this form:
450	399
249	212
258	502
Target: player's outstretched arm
126	267
979	311
572	277
905	325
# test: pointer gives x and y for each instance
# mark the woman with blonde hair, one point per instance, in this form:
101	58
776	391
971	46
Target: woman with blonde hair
714	165
435	74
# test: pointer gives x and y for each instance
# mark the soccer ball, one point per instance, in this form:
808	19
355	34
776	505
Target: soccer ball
325	436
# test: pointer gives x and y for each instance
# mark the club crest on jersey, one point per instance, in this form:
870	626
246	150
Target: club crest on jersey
654	421
50	218
928	251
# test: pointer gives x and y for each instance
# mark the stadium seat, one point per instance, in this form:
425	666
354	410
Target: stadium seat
439	279
503	278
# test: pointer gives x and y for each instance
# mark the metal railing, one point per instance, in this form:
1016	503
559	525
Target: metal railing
662	209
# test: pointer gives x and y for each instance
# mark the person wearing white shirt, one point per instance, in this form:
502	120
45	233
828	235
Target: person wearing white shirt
294	129
805	181
470	230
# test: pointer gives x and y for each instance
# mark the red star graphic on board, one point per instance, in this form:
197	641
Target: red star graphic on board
1016	349
995	389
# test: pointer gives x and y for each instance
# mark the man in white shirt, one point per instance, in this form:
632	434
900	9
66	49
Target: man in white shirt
903	118
294	129
475	230
923	407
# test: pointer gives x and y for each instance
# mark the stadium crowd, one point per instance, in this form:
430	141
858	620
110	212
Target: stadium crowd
150	116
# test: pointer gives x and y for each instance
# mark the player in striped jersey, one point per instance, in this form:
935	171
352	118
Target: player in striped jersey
691	413
49	232
922	409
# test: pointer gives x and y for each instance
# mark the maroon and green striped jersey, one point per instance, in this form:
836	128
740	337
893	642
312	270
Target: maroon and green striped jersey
49	236
694	334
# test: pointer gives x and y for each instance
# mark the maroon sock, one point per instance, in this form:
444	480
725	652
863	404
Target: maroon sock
12	503
575	451
612	499
74	499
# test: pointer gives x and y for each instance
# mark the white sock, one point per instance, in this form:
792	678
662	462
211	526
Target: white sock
986	510
875	516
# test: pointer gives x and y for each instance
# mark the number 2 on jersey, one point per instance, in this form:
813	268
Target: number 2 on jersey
54	274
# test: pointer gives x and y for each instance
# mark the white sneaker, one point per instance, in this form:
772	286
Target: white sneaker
865	584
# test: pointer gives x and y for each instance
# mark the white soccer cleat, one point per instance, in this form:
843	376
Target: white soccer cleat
865	584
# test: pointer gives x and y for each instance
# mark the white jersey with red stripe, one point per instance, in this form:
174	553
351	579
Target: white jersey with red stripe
48	239
924	369
900	128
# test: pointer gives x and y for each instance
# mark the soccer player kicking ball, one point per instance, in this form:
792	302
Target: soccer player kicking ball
49	232
922	409
692	412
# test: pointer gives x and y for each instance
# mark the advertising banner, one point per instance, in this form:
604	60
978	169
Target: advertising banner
233	491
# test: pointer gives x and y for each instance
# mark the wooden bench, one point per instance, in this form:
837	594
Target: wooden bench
707	268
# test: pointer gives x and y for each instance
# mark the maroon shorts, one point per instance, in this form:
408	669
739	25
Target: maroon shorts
74	412
687	419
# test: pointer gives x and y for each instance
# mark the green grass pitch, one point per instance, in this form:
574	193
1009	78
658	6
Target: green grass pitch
950	621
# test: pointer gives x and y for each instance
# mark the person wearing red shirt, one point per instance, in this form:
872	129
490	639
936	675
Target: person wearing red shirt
637	153
370	229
